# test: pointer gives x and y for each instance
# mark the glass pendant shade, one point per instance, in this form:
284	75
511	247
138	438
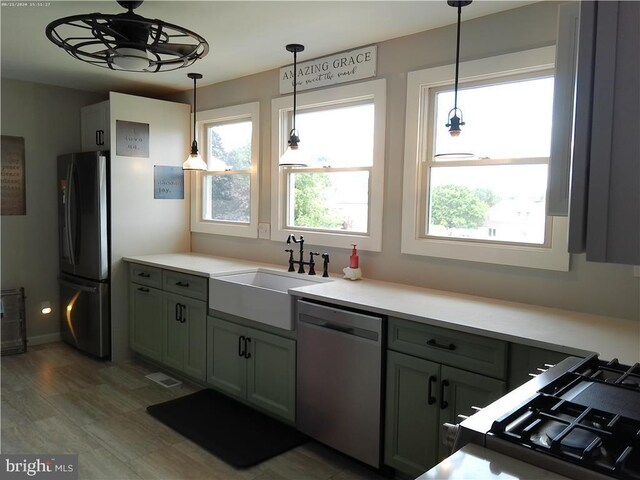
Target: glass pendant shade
194	161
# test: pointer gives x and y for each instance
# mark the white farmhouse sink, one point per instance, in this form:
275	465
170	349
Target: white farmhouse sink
259	295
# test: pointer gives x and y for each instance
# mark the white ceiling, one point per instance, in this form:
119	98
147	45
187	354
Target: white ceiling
244	37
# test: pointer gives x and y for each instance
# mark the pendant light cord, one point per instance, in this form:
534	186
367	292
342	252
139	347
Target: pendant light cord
194	109
455	88
295	85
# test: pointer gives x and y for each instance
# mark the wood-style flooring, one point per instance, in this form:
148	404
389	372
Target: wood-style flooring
56	400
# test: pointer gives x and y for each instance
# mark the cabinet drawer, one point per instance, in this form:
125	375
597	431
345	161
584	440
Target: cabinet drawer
184	284
449	347
150	276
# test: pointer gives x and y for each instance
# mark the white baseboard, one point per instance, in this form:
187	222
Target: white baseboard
40	339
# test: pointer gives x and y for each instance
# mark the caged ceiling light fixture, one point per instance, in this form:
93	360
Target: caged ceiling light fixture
454	121
127	41
293	156
194	161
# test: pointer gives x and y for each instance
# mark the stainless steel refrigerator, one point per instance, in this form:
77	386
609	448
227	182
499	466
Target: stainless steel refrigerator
83	229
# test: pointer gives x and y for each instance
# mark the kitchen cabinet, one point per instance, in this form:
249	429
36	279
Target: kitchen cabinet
145	311
426	389
604	217
184	340
524	360
95	127
167	327
252	365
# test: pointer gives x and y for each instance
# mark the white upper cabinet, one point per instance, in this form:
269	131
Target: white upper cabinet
604	215
94	127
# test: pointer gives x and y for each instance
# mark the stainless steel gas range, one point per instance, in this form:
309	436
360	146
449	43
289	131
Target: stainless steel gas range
580	419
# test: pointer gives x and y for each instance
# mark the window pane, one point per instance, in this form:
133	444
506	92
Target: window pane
511	120
329	200
338	137
504	203
229	146
227	197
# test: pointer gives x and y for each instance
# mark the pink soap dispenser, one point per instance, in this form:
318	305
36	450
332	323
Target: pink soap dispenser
354	260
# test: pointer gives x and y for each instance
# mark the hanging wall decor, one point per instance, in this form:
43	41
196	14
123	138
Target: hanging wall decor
13	176
168	182
132	139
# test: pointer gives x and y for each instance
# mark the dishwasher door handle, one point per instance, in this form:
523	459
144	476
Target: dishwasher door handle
337	327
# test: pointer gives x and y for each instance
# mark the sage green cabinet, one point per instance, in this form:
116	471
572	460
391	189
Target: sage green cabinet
184	340
421	396
411	431
524	360
252	365
145	320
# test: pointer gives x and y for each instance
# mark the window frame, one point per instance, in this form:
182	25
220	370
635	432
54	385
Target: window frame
281	109
231	114
418	138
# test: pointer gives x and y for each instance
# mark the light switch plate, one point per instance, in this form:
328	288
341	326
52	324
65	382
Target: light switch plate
264	231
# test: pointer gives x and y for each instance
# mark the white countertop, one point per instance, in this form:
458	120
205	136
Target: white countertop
473	462
544	327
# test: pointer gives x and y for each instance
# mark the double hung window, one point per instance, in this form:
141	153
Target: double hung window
482	196
336	199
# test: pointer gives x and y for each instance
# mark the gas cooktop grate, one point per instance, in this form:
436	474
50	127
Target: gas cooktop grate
589	416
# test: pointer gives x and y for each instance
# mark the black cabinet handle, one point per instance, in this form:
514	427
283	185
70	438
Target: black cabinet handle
97	137
433	343
443	403
183	318
142	289
178	312
247	353
430	398
144	275
181	284
100	137
241	344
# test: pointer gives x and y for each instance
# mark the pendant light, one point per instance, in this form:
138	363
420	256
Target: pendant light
127	41
194	160
456	121
293	156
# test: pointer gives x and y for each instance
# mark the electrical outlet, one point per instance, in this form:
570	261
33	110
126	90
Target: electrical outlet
264	231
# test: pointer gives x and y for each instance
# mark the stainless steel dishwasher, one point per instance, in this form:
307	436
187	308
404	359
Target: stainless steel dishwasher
339	379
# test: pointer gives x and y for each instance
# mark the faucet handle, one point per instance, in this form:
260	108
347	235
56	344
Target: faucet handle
325	265
312	263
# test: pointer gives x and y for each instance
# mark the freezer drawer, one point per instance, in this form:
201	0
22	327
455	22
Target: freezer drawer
84	307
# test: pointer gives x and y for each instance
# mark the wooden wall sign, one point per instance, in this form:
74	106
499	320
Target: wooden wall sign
13	176
339	68
168	182
132	139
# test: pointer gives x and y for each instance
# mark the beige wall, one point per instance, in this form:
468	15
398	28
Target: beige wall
49	120
589	287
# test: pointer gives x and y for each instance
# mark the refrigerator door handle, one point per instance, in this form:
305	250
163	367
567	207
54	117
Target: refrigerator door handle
67	214
77	286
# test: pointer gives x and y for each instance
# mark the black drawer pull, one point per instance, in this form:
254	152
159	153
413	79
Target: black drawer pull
443	403
433	343
241	344
431	399
144	275
142	289
181	284
247	353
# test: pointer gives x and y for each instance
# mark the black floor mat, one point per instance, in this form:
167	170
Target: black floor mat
230	430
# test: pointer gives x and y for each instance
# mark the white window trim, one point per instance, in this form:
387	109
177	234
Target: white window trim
419	82
280	108
198	224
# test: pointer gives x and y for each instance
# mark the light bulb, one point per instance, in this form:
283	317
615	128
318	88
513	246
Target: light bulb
131	59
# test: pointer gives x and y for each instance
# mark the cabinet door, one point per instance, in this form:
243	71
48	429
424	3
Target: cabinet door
271	373
173	336
524	360
226	368
94	126
194	314
145	320
459	391
411	424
